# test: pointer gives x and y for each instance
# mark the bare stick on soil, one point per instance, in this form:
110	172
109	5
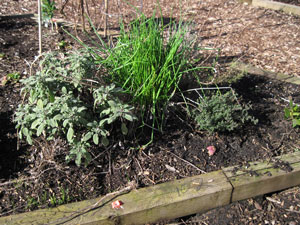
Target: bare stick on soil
112	195
202	171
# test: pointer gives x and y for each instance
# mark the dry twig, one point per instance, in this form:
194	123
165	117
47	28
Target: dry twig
202	171
96	205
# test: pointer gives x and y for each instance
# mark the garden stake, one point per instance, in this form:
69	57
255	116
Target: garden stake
40	26
105	23
82	14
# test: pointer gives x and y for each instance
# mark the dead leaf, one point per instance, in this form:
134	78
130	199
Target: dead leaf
171	168
257	206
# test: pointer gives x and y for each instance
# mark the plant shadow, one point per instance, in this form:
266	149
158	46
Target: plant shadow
11	159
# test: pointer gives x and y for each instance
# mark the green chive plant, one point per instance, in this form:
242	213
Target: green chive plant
147	62
65	98
149	65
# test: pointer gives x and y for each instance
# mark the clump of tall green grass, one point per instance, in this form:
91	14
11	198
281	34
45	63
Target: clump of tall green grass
148	62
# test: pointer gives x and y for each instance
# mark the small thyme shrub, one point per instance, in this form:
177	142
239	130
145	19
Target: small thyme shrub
222	113
65	99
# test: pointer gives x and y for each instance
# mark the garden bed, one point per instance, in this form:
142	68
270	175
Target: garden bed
176	198
179	152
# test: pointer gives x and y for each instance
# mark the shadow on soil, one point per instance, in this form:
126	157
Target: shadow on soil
11	160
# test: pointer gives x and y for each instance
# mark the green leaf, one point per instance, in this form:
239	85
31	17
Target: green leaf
296	114
78	159
35	123
53	123
104	141
96	139
296	122
40	129
40	104
70	134
20	135
287	113
87	136
25	131
105	112
65	123
110	120
29	140
102	122
57	117
88	158
129	117
51	96
64	90
124	129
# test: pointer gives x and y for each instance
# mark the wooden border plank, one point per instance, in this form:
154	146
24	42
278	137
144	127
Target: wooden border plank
262	181
256	166
287	8
257	71
164	201
173	199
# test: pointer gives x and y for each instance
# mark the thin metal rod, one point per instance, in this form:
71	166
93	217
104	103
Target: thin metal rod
40	25
106	18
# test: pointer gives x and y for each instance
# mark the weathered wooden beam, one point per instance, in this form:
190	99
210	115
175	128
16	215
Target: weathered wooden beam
164	201
257	71
264	177
279	6
176	198
287	8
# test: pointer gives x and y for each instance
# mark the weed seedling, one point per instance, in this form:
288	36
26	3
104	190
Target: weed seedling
11	78
292	112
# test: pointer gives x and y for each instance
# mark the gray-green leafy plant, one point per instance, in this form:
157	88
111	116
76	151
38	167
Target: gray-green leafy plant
221	113
65	99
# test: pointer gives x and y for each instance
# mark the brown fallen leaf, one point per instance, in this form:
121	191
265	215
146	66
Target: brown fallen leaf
257	206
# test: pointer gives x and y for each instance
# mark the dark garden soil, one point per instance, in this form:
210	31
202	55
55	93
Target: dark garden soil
37	177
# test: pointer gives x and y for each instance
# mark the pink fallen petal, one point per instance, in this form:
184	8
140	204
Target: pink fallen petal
211	150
